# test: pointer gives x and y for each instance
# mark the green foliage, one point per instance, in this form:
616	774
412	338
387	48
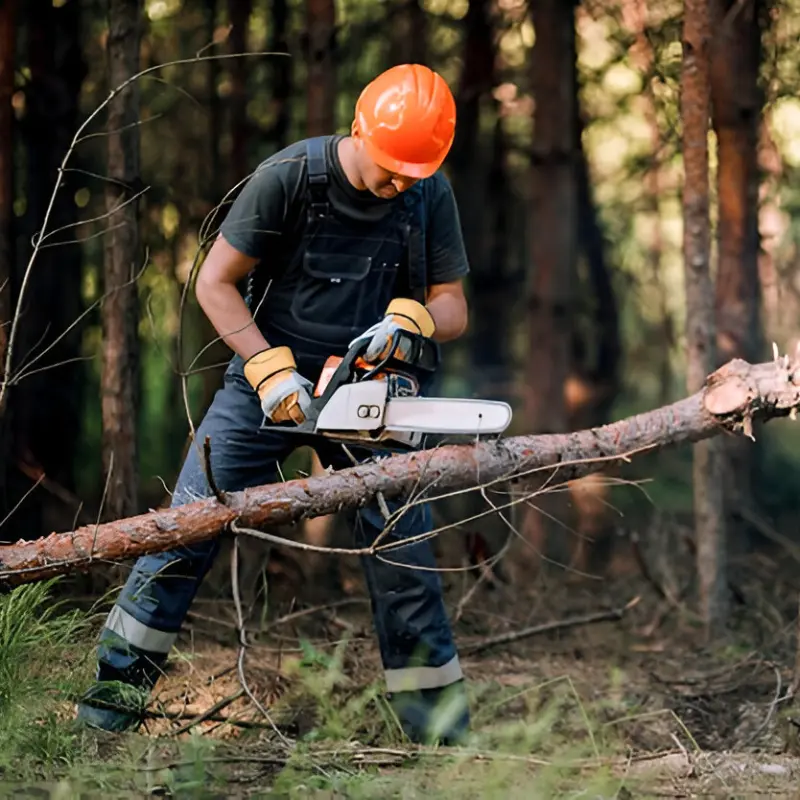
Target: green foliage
340	710
44	661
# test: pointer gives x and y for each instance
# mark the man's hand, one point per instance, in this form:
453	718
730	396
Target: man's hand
401	314
285	394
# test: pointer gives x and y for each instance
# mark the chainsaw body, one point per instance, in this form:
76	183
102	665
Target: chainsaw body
379	405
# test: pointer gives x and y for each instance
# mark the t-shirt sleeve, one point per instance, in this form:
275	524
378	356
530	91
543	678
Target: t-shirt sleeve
447	255
256	218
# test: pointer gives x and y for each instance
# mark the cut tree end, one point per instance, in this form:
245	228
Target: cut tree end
727	397
740	390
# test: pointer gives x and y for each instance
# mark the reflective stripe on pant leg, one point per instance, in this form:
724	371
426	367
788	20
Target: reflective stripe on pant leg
162	586
423	675
136	633
405	679
144	624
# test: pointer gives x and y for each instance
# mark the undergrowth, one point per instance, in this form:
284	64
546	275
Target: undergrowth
43	663
546	739
46	658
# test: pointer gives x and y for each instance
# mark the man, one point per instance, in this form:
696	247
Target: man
342	237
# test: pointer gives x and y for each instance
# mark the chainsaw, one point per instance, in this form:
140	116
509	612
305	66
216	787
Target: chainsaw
379	404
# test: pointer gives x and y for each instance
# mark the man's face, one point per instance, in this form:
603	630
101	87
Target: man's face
379	181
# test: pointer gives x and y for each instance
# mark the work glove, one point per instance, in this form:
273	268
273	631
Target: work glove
401	313
284	393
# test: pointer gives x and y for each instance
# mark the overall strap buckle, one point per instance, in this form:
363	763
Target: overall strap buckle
318	206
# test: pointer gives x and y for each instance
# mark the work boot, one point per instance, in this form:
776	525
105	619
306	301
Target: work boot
112	706
433	716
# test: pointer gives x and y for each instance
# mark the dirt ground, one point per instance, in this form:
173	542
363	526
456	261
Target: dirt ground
637	693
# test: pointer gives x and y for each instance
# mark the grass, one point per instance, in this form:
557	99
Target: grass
39	669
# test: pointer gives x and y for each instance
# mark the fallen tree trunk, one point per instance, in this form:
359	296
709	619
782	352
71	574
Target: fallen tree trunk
733	398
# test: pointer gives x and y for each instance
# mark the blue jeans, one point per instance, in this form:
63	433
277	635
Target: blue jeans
419	656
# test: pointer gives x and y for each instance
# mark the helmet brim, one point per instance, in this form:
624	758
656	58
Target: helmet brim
405	168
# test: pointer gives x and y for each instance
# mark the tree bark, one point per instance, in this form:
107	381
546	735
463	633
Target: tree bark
214	172
736	113
480	185
7	227
553	241
119	382
281	74
635	19
321	85
700	323
733	398
45	402
554	217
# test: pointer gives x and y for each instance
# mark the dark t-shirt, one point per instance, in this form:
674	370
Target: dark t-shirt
267	218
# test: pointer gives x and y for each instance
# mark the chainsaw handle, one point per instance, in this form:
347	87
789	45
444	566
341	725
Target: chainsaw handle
423	362
420	347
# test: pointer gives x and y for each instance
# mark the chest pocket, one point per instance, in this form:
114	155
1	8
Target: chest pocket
346	277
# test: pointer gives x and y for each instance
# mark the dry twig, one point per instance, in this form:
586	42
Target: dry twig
209	713
535	630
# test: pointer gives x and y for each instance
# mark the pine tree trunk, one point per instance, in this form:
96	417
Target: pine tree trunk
635	19
321	84
7	235
282	74
554	217
123	260
7	53
481	189
736	105
553	240
239	16
700	324
46	402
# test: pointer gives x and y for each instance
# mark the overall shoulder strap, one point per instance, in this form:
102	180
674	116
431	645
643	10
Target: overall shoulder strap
417	262
317	165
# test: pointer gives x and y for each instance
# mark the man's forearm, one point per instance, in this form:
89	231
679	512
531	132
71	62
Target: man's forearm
231	318
449	312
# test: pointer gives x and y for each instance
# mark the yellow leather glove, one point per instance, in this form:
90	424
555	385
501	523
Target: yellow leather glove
285	394
401	313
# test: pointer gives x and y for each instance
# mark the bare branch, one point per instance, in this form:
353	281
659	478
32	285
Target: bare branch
535	630
76	139
25	368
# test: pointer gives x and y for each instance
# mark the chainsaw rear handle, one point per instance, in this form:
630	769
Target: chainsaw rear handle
423	359
422	362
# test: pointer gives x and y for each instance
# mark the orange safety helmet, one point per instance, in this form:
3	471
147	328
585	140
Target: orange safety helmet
406	118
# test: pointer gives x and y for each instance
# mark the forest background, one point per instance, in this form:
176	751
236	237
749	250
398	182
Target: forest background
582	222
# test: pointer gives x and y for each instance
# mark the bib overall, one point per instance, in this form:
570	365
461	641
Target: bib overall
337	284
